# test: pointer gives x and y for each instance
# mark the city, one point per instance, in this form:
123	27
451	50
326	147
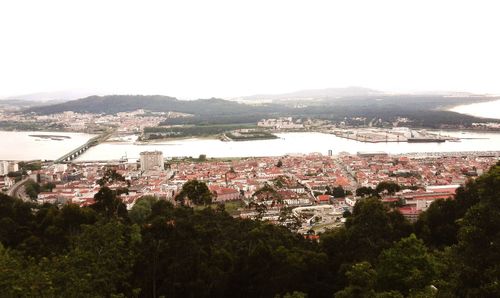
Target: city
293	181
267	149
167	181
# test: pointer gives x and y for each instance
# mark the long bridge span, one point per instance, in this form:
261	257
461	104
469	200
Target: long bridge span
68	157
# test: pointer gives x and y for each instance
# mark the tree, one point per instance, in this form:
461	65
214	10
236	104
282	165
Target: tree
369	230
364	191
57	227
32	189
362	280
261	210
294	294
336	192
100	262
438	225
23	277
108	204
477	254
142	209
372	228
109	176
288	219
389	186
406	266
67	251
279	164
196	191
17	221
33	166
47	187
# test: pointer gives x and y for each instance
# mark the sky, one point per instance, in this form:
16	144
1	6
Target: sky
201	49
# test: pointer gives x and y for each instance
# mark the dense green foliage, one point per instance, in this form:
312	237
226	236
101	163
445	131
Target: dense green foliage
113	104
365	191
251	135
185	131
387	186
110	175
423	111
30	126
32	189
157	249
29	166
336	191
196	191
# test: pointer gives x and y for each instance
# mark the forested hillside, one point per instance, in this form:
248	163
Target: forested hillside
423	111
113	104
157	249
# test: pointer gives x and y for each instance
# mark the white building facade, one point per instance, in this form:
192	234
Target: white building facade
152	161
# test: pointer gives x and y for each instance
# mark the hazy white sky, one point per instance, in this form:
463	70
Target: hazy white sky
229	48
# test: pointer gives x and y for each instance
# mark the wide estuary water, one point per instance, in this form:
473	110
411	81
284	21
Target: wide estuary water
21	146
289	143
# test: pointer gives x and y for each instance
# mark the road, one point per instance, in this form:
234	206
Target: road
81	149
13	191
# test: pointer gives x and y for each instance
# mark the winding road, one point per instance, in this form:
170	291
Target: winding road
13	191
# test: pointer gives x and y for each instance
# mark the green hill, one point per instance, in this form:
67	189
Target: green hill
113	104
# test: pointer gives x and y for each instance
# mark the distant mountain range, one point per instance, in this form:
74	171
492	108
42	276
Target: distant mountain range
348	92
52	96
20	103
316	94
308	94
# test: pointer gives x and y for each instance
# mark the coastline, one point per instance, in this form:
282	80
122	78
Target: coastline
488	153
161	140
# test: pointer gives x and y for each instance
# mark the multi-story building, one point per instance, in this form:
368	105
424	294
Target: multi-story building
6	167
152	161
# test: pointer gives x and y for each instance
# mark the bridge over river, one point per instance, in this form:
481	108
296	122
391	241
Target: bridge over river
68	157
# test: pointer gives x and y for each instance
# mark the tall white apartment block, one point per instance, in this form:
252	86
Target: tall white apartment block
151	160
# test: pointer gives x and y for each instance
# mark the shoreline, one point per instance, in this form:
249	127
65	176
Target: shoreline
157	141
208	137
215	137
486	153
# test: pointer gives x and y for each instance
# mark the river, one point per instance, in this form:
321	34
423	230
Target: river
19	145
288	143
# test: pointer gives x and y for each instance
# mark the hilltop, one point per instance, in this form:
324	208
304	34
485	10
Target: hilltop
112	104
316	94
422	110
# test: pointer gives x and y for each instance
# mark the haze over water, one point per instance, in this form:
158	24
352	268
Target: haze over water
490	109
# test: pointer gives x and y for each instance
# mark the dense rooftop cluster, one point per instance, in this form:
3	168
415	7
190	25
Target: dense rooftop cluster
101	249
265	187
